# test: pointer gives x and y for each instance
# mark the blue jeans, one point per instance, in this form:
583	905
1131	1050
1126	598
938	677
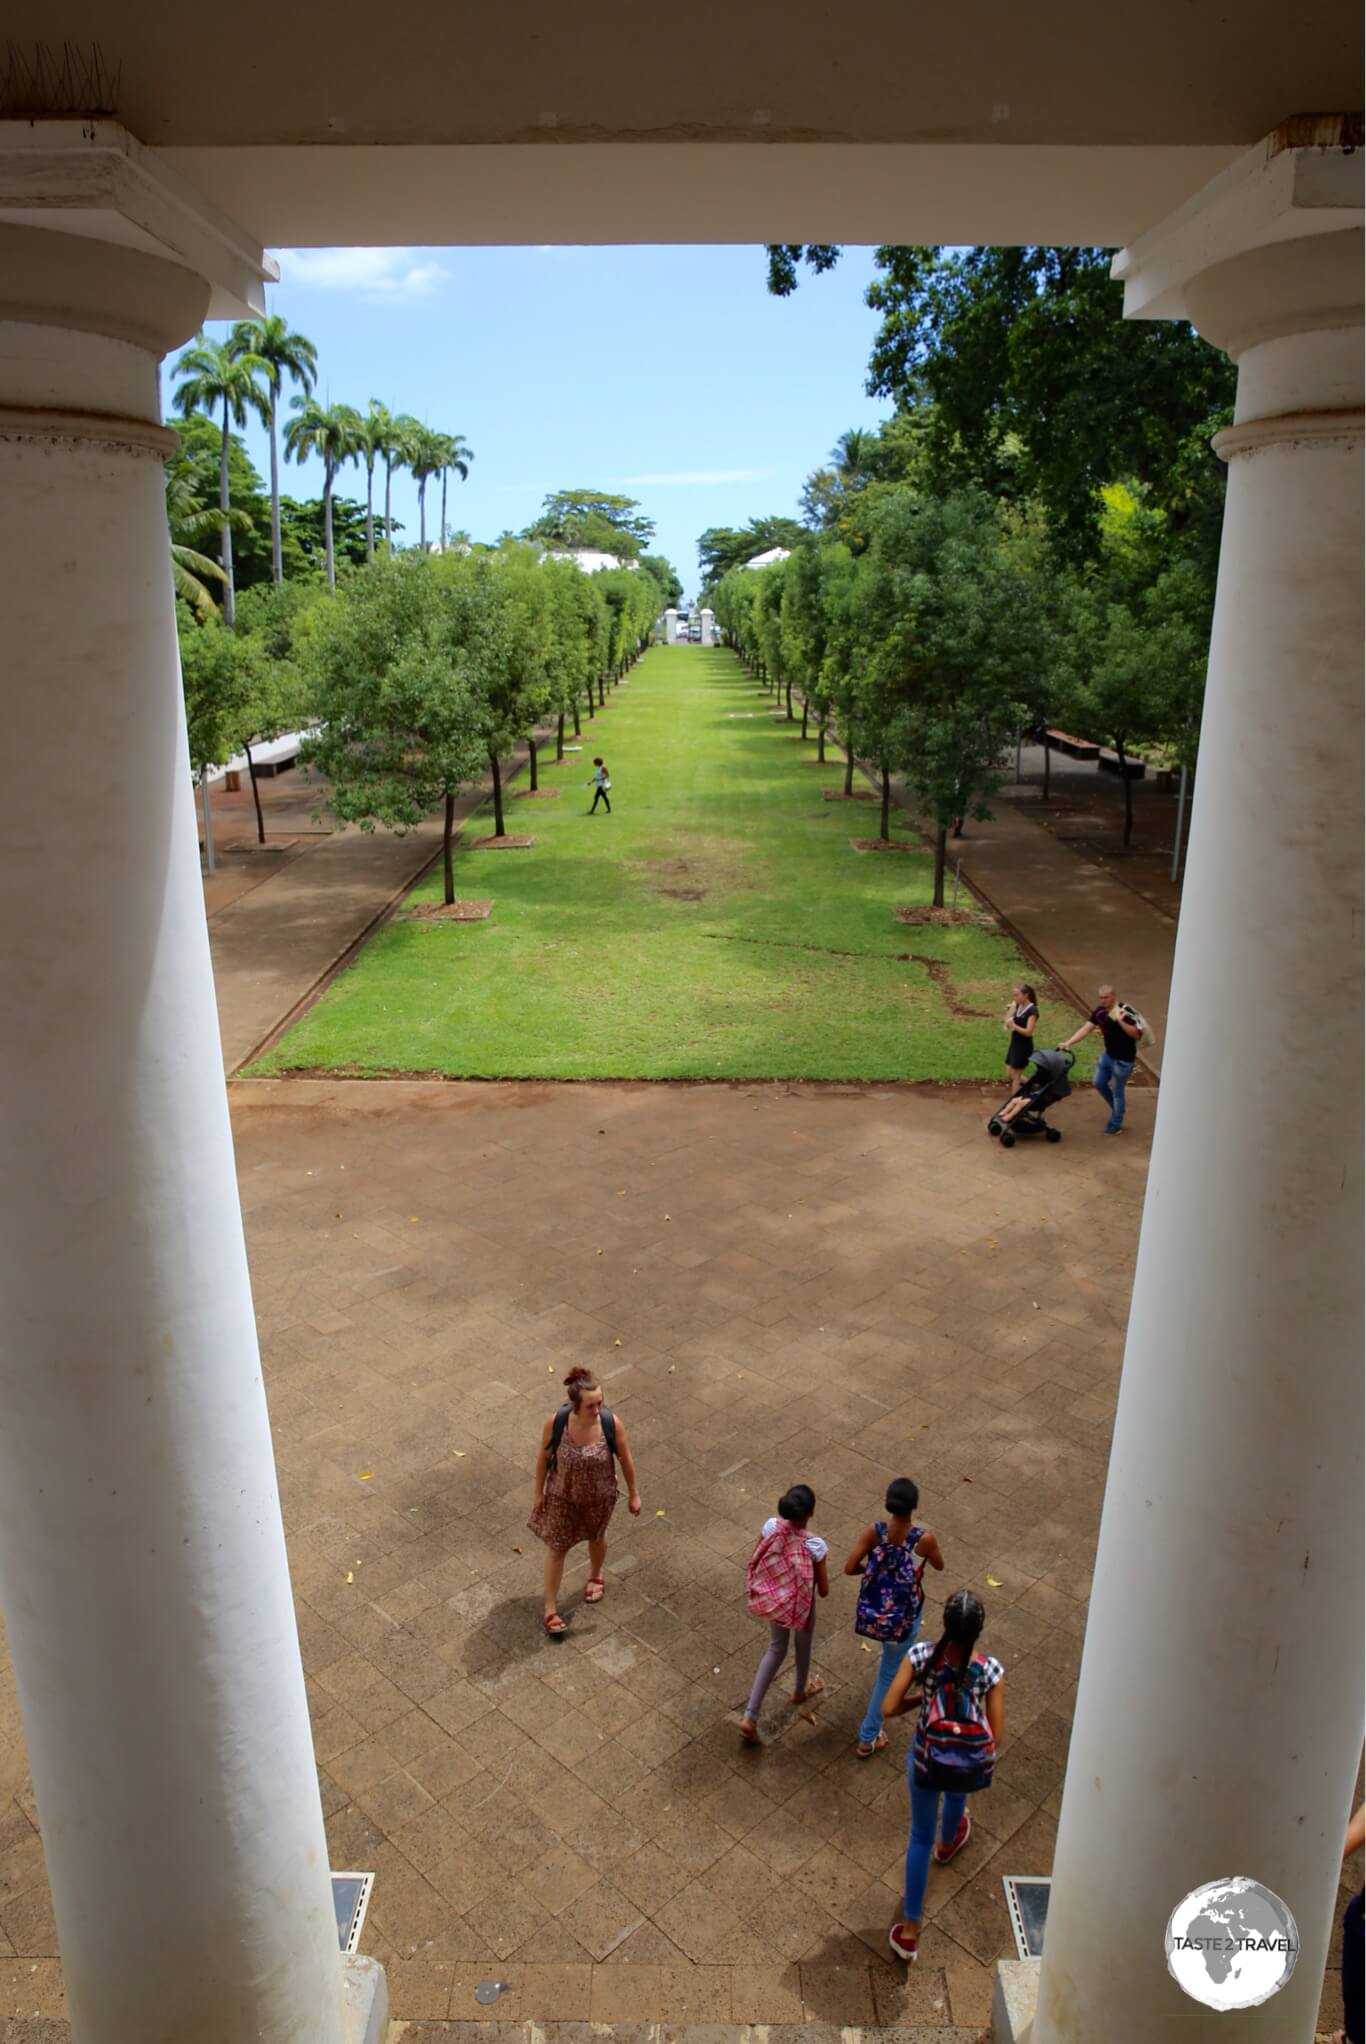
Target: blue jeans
1110	1071
924	1810
894	1652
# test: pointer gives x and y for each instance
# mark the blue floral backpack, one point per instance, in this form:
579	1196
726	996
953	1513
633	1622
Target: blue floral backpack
890	1597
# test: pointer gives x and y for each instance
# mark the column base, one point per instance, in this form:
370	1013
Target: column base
1014	1994
366	2019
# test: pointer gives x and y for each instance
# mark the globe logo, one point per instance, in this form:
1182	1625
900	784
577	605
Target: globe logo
1231	1944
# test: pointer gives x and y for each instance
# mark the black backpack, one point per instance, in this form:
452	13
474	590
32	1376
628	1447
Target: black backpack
561	1421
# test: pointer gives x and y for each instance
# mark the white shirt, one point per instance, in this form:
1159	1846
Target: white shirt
815	1546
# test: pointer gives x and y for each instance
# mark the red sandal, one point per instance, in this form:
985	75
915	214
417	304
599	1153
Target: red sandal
555	1625
595	1584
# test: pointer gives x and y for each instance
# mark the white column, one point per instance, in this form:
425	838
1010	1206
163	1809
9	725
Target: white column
142	1559
1219	1719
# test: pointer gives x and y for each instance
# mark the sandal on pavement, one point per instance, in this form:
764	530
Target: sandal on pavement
905	1943
867	1752
944	1853
555	1625
813	1688
594	1590
749	1732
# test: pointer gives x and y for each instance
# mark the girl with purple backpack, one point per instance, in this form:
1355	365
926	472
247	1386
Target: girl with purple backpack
890	1556
961	1698
786	1574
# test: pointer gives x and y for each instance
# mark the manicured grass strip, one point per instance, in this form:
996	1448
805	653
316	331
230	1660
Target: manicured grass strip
715	925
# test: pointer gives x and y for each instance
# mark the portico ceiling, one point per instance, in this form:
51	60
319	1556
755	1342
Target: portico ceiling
724	121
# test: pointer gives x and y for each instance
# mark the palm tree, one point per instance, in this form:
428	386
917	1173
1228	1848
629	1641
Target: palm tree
424	454
285	355
850	455
209	374
457	458
404	432
332	432
188	521
376	440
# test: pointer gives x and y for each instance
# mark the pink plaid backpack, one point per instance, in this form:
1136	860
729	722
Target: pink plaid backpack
781	1578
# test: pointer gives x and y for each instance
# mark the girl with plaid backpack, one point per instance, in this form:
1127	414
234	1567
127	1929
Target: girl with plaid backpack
953	1754
786	1574
890	1557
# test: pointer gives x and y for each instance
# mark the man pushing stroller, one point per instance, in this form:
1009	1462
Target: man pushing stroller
1023	1113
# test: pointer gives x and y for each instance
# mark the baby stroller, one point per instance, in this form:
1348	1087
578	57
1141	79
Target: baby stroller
1023	1114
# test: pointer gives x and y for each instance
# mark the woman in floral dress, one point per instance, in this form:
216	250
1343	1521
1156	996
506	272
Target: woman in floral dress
576	1487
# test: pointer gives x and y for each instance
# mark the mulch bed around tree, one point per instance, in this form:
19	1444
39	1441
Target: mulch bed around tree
535	794
947	918
449	912
883	844
857	795
510	841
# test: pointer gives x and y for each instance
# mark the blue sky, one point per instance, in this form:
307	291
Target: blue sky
668	374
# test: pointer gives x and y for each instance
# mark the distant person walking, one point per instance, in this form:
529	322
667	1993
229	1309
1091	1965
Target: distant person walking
890	1556
601	784
576	1487
953	1753
1021	1020
786	1574
1121	1028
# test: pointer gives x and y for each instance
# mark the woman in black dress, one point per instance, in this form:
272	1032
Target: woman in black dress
1021	1019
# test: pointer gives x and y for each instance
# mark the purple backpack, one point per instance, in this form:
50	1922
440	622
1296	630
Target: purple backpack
890	1597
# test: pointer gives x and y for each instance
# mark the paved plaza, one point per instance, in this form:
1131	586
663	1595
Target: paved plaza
828	1284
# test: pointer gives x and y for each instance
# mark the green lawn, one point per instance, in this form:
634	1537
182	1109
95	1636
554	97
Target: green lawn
716	925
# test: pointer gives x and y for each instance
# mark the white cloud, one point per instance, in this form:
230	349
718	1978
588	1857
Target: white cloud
383	276
683	478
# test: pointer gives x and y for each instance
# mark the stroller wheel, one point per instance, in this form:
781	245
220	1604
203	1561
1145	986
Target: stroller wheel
1054	1135
993	1126
1007	1139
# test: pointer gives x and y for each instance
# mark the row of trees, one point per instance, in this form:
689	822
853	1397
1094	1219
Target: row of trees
417	674
952	627
245	375
1030	539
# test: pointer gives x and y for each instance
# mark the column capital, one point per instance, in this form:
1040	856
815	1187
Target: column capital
92	180
1270	247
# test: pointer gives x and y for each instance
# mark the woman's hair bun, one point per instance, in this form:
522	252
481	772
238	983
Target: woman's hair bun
580	1374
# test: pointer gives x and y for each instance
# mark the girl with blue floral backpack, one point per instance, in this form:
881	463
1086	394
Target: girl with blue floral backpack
890	1556
961	1698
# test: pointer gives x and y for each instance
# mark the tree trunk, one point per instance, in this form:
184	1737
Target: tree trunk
497	794
578	728
849	761
327	526
370	509
422	513
820	743
255	796
790	717
277	556
559	736
1128	793
388	503
886	801
447	863
533	783
225	537
443	510
941	840
591	711
602	691
805	707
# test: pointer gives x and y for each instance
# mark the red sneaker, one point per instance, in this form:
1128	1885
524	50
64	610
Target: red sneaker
944	1853
904	1942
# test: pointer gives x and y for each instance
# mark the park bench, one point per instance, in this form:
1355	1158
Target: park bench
1075	748
1134	769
